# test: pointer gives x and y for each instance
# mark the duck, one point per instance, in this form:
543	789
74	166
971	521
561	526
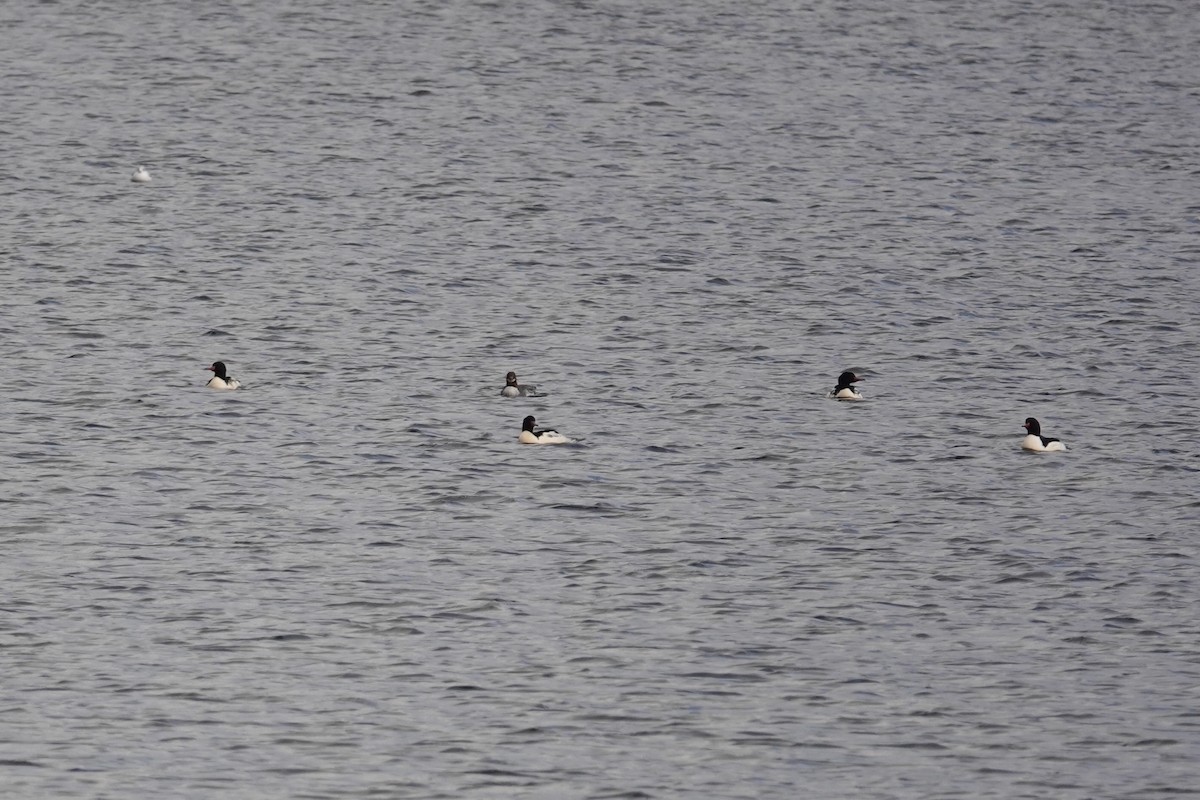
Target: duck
843	390
141	175
514	389
530	436
220	379
1037	443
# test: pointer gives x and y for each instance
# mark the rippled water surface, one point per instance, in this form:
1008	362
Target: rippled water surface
681	221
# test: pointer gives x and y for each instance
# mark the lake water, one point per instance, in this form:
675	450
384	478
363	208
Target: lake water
681	221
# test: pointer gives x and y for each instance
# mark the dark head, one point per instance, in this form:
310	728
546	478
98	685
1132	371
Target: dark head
1033	426
527	424
847	378
510	379
218	369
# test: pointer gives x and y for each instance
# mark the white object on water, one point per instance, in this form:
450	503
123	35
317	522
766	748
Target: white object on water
514	389
530	436
220	380
141	175
1035	442
843	390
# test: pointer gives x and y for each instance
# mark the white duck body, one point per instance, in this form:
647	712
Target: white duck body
843	390
220	379
1035	444
222	383
140	175
530	436
514	389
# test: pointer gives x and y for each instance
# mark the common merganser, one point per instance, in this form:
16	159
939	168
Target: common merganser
1036	442
843	390
220	380
141	175
530	436
514	389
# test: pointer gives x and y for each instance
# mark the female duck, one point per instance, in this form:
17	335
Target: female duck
220	379
1036	442
514	389
530	436
843	390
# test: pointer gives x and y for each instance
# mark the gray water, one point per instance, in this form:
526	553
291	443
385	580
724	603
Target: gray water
681	221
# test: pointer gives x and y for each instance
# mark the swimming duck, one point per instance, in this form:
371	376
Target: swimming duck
843	390
1036	442
220	380
514	389
530	436
141	175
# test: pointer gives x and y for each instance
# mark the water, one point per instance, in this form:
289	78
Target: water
681	221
